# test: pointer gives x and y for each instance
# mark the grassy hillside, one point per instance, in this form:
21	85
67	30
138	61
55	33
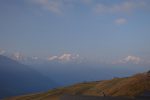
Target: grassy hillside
129	86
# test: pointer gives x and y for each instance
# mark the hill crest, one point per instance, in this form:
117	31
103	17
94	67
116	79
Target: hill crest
132	86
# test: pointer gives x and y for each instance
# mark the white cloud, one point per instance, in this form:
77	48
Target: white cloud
120	21
129	59
68	57
18	56
133	59
52	58
55	6
127	6
2	51
35	58
42	2
60	6
86	1
64	57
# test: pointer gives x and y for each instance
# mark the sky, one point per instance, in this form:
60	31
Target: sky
115	31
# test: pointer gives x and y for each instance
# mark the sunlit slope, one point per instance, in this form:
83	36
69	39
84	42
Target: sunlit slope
129	86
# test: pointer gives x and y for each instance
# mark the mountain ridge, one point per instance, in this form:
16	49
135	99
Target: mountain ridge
132	87
18	79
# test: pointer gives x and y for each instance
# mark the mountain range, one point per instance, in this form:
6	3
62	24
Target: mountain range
132	87
17	79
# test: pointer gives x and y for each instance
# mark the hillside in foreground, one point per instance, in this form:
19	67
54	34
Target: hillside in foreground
128	87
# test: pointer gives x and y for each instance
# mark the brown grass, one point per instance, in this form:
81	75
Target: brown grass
130	87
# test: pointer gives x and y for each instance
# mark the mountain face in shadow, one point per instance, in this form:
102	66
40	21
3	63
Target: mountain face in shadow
136	87
17	79
71	73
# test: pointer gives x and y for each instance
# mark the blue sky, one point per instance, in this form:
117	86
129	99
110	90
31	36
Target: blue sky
96	30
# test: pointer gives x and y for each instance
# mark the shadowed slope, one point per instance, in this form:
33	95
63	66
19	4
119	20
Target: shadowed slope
17	79
127	87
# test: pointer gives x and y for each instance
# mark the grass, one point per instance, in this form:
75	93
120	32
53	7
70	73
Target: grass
129	87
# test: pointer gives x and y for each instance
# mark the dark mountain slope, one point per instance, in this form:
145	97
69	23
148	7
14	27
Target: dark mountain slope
17	79
135	86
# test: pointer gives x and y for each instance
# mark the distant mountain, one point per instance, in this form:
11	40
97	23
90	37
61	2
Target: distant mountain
17	79
134	86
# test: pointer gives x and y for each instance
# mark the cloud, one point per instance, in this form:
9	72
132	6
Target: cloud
42	2
2	51
86	1
60	6
35	58
120	21
129	59
55	6
133	59
52	58
18	56
64	57
126	6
